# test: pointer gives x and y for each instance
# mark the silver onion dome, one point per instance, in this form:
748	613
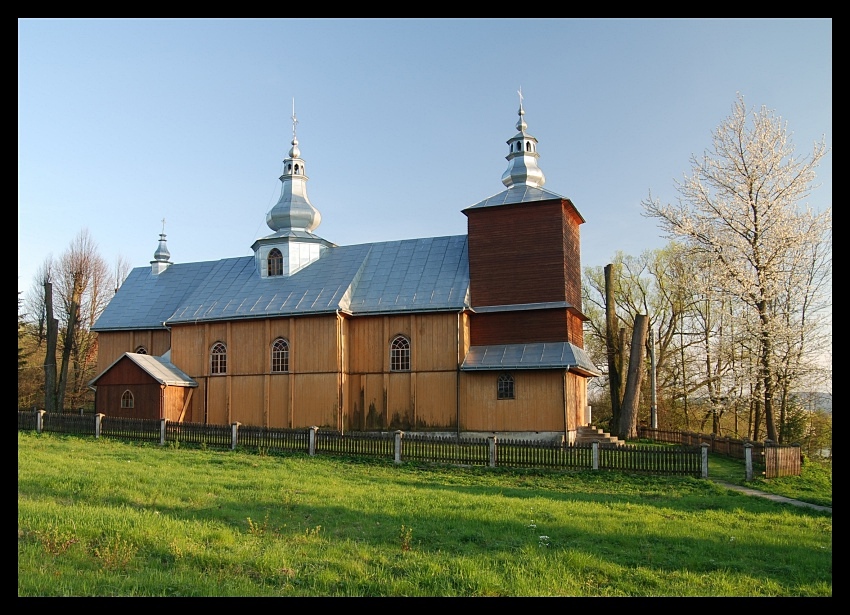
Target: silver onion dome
522	156
293	211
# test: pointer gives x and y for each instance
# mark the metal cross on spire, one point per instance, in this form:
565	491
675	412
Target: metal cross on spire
163	226
519	91
294	119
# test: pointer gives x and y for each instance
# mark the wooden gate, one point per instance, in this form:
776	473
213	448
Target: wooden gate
781	461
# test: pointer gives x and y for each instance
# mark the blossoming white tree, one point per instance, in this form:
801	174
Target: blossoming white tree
743	205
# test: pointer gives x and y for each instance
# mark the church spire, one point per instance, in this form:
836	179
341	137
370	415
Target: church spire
293	211
160	260
522	156
293	219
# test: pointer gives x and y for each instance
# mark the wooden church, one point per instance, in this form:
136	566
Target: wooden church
467	334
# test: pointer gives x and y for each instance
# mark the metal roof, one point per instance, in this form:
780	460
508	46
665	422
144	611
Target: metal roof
428	274
539	355
159	368
517	194
146	301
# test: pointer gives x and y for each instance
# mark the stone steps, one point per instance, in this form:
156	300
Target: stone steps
588	434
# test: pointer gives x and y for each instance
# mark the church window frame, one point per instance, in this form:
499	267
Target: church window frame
400	354
274	263
128	402
280	356
218	359
505	387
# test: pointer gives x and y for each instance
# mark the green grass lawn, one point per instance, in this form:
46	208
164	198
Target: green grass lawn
814	484
101	517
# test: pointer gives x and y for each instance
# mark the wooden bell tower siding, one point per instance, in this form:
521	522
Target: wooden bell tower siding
522	258
525	286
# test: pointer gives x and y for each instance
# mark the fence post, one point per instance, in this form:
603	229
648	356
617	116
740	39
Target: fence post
492	440
398	434
312	449
162	423
39	420
595	455
748	461
234	437
704	460
98	424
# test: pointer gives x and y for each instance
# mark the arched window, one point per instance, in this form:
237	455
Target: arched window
296	169
289	168
127	400
141	350
280	356
505	387
275	262
400	354
218	359
528	146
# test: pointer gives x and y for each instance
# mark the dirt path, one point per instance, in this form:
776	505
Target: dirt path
772	496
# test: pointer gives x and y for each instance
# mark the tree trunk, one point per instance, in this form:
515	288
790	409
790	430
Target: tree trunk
50	355
629	411
613	347
67	347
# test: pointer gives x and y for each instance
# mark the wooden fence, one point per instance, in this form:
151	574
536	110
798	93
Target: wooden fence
768	458
398	446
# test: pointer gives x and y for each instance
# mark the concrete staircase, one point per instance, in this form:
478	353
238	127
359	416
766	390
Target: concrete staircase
588	434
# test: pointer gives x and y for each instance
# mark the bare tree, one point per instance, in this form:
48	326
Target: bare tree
122	267
83	282
741	206
68	296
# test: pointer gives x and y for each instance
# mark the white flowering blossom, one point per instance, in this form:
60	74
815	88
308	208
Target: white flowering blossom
742	208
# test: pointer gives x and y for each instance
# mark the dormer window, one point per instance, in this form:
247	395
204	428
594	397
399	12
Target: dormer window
275	262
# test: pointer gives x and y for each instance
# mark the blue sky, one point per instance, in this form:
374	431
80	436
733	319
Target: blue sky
402	122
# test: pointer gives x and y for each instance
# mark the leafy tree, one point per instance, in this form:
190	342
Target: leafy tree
741	208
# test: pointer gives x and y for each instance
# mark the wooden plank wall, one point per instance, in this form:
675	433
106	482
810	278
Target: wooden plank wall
516	254
425	397
112	344
369	396
308	395
572	252
539	403
520	327
146	400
